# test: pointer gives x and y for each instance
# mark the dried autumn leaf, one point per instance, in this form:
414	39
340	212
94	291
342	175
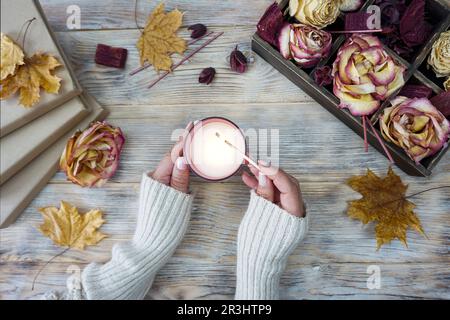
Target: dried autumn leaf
35	73
159	38
67	228
383	202
11	56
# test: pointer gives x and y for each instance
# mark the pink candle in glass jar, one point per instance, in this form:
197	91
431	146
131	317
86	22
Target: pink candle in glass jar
208	155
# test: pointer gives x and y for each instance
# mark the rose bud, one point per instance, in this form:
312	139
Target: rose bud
92	156
316	13
305	44
207	75
439	58
364	74
416	126
350	5
198	30
238	61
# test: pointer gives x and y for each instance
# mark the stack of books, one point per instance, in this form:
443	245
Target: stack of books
32	139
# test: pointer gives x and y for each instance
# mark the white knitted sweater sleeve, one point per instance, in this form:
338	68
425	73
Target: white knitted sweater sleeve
267	236
162	221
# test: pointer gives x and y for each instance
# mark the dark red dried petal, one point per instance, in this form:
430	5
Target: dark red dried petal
322	76
238	61
270	24
207	75
414	30
416	91
442	103
355	21
198	30
110	56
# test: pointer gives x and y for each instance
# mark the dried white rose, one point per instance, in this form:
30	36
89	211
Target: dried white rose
439	58
316	13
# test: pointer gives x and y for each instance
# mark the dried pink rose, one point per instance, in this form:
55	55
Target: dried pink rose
416	126
92	156
364	74
305	44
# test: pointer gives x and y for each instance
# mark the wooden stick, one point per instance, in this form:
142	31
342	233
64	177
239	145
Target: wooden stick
162	76
146	65
250	160
382	143
366	145
356	31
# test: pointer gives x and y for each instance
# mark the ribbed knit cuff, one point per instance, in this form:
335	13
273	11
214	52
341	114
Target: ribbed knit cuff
161	224
267	236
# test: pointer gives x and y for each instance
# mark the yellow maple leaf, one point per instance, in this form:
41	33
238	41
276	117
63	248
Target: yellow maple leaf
384	202
159	38
11	56
67	228
35	73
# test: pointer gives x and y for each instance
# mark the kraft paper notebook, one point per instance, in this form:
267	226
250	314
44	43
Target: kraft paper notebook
14	13
24	144
19	191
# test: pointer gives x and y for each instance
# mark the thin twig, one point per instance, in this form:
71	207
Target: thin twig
388	154
366	146
146	65
356	31
162	76
46	264
27	23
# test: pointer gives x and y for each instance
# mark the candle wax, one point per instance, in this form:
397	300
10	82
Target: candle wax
210	156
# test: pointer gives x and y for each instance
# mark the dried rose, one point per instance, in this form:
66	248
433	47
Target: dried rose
322	76
238	61
316	13
305	44
207	75
92	156
416	126
350	5
270	24
364	74
439	58
414	30
198	30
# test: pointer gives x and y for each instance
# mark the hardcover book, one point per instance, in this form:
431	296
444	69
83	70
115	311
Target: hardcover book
39	38
24	144
19	191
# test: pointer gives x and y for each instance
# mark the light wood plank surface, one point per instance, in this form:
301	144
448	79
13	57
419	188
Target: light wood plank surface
315	147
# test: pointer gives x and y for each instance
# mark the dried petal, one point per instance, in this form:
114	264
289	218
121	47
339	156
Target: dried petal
270	24
11	56
442	103
322	76
238	61
198	30
414	30
416	91
92	156
207	75
110	56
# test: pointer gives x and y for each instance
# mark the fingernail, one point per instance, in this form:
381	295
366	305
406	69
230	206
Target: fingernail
265	163
262	180
181	163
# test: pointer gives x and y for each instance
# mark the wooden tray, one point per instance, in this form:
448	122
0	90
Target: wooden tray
416	72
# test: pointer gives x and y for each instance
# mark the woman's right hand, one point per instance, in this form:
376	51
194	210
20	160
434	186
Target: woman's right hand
276	186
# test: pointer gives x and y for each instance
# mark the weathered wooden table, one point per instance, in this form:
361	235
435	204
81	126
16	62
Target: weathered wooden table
320	151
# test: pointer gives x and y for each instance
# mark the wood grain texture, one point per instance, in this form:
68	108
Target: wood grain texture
315	147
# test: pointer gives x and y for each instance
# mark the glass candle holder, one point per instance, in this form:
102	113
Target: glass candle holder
207	153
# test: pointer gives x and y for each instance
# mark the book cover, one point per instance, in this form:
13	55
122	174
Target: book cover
19	191
39	38
24	144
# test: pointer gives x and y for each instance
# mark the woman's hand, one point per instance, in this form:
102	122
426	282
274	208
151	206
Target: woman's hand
173	170
276	186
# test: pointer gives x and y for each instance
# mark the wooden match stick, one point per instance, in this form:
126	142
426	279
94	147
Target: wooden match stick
250	160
